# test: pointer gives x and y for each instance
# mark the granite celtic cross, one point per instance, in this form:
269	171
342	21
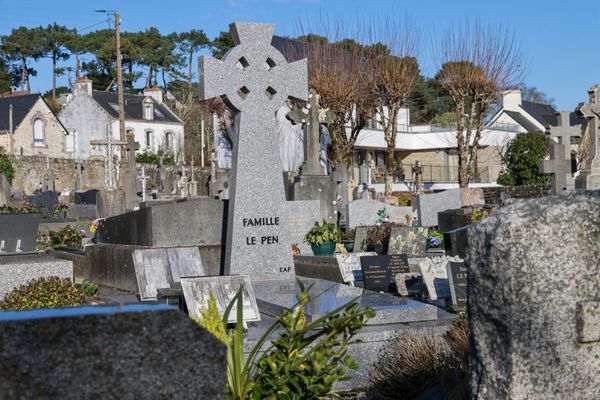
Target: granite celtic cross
255	80
589	177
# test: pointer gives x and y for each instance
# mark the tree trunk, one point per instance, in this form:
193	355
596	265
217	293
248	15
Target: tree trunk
23	74
463	175
190	74
53	76
390	167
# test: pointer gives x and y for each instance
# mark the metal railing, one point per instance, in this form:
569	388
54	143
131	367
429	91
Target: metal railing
431	173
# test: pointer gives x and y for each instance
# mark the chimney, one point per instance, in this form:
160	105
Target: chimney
154	92
511	99
82	87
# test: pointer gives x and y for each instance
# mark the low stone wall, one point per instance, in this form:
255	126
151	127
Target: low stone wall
493	195
30	174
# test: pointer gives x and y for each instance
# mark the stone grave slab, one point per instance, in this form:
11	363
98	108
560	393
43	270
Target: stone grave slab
457	279
472	197
274	297
435	277
83	212
452	219
301	216
120	352
18	232
364	212
535	323
429	205
110	203
360	238
160	268
410	240
45	201
257	244
349	264
19	269
379	271
196	291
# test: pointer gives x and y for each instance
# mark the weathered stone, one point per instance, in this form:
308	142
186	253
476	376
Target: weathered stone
360	238
557	166
17	270
109	353
4	190
321	188
255	79
364	212
471	197
410	240
589	177
45	201
530	264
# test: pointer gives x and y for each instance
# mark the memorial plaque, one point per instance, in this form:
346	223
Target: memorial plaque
457	279
196	291
435	277
349	264
379	271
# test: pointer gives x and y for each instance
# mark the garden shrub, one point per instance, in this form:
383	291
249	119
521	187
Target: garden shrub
6	168
65	237
45	292
211	320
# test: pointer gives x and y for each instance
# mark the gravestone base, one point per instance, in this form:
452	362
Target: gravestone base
317	187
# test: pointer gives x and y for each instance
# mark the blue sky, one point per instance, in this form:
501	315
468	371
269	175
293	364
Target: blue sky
560	39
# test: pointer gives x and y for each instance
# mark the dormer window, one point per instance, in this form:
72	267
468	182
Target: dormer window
148	106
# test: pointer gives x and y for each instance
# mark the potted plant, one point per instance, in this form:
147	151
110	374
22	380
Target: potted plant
322	238
378	238
348	239
434	240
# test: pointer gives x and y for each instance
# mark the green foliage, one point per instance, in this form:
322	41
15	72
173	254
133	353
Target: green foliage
380	235
221	44
5	76
89	288
320	234
148	157
212	321
65	237
445	119
434	238
521	160
45	292
304	362
6	167
382	216
23	207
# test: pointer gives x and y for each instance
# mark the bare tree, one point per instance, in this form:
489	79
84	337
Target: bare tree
477	63
392	73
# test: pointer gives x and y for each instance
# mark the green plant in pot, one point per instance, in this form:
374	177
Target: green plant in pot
322	238
378	238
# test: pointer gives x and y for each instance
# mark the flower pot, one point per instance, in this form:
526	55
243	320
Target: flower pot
325	249
349	245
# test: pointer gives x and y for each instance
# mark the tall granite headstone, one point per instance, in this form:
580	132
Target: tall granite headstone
4	190
254	79
534	290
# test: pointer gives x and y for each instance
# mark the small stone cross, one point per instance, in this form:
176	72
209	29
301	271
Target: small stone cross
255	80
312	116
565	131
110	143
558	167
589	177
417	170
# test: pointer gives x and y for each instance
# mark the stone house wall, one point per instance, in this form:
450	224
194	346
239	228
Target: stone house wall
54	133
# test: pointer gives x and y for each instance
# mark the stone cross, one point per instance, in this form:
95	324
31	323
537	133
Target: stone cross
589	178
565	131
144	179
312	116
131	172
417	170
255	80
558	166
109	166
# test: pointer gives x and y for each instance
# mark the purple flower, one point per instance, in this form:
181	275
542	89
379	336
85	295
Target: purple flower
434	242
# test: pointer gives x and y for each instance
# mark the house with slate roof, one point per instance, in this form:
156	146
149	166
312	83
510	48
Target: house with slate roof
518	115
36	130
92	115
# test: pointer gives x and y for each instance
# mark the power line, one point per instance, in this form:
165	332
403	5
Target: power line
91	26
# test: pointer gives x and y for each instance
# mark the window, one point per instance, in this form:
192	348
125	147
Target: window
38	132
148	139
70	143
158	114
148	109
168	140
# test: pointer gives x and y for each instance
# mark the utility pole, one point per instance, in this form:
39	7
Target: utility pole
10	129
120	84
